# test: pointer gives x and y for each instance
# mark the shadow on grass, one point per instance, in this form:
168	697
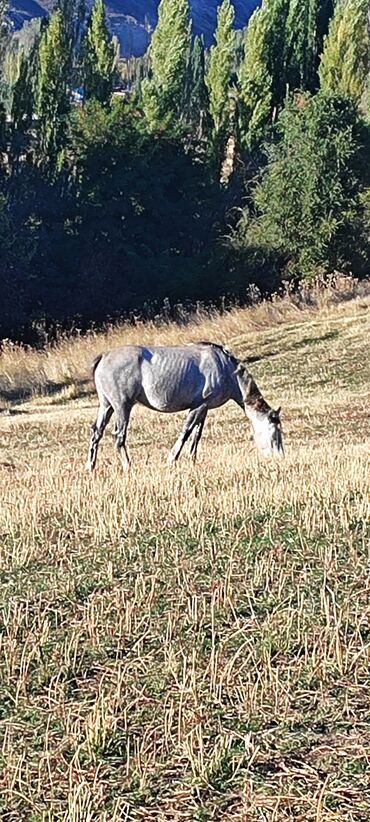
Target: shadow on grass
330	335
22	393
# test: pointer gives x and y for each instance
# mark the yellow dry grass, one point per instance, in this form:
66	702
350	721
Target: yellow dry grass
190	644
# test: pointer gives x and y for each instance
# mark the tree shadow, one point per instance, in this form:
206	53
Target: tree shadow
50	389
330	335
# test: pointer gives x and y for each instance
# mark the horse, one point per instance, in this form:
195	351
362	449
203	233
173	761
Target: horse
196	377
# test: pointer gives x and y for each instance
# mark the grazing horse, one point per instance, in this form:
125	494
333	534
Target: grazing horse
195	377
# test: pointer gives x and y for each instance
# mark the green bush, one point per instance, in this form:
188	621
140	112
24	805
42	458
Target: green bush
307	206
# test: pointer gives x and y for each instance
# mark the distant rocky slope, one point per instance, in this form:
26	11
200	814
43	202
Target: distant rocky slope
133	20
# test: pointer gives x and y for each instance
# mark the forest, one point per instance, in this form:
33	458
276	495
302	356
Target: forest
134	187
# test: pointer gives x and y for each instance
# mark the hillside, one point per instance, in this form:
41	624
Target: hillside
190	644
132	20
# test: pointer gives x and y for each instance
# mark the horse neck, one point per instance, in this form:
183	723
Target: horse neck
236	393
250	399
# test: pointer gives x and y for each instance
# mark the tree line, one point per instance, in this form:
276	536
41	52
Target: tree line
246	163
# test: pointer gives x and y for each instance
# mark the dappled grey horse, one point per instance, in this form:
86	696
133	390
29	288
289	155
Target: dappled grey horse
195	377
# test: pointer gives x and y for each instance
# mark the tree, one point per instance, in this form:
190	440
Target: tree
197	102
138	224
3	28
22	99
262	74
255	81
19	63
23	90
163	92
73	13
52	98
283	41
218	76
307	24
3	45
98	56
308	204
345	59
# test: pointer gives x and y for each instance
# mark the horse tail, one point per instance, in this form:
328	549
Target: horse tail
94	364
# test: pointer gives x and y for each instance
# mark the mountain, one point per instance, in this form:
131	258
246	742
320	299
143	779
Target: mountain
133	20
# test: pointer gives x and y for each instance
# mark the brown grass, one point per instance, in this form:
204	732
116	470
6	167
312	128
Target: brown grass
64	366
190	644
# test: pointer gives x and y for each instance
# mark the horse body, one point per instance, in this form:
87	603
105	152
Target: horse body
196	377
165	378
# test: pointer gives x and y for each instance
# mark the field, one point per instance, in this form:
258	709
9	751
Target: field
190	643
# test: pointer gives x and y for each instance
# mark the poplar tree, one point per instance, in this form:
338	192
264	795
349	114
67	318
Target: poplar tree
218	76
3	28
262	77
283	41
51	93
163	92
300	44
22	98
345	59
306	26
73	12
255	81
98	56
197	94
23	91
3	43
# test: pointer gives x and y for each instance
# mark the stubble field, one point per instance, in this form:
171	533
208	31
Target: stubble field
194	643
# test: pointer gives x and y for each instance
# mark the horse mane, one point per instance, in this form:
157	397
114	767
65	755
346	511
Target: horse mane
255	398
218	347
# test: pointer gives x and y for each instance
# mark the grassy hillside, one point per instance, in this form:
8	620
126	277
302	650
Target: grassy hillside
190	644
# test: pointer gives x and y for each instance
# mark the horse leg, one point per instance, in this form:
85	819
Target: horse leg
198	430
191	421
123	418
104	414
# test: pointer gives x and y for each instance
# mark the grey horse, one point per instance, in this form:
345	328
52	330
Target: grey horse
195	377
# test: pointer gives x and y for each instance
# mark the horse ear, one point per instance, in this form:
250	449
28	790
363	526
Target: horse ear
240	369
274	416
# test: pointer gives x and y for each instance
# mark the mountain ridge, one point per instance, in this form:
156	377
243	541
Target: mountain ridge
132	21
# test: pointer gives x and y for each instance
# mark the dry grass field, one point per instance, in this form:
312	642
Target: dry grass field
194	643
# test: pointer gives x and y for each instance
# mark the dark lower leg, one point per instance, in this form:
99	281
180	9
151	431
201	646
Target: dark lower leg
196	439
190	422
97	432
121	434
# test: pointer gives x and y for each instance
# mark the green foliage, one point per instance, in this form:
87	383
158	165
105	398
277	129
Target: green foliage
218	77
345	60
98	56
3	27
255	81
73	13
17	249
3	48
163	92
308	203
23	97
197	102
262	75
135	224
52	97
99	215
306	25
18	67
283	41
